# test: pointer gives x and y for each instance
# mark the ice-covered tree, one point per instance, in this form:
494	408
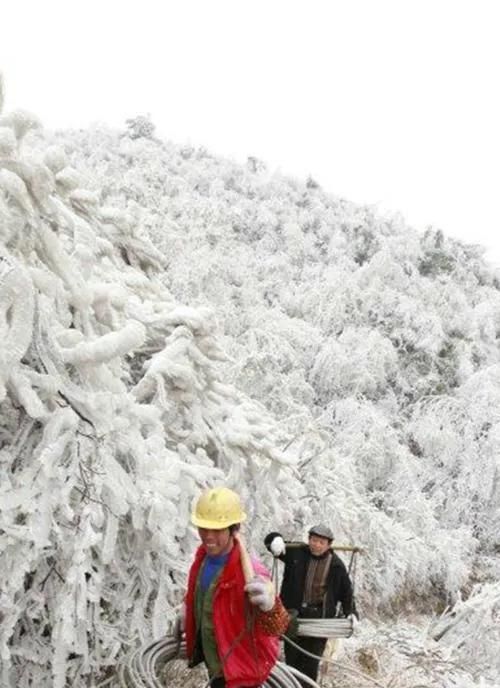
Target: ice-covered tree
113	416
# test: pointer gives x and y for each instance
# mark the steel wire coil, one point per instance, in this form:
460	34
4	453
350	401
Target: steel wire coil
325	628
141	668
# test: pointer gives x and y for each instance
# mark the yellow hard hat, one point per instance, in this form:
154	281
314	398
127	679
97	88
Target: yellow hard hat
218	508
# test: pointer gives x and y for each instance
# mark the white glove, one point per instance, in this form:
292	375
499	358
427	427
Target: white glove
354	620
277	546
261	593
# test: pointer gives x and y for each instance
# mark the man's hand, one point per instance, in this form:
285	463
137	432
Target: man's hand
293	625
180	622
277	546
261	593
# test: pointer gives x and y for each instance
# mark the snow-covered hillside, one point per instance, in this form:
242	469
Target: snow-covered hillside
170	320
376	348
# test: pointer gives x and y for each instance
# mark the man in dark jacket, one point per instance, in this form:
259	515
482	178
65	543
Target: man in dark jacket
315	581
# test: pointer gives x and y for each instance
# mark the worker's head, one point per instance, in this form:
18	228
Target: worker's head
320	539
218	514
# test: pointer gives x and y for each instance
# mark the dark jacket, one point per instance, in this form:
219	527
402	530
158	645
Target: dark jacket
296	558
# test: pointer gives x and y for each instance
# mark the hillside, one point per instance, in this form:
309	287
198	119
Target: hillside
376	348
170	319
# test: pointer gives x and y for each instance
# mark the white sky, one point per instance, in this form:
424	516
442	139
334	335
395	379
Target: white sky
391	102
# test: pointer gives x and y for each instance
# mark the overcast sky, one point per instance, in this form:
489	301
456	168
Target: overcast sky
390	102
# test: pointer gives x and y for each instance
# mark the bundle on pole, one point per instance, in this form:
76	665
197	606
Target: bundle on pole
325	628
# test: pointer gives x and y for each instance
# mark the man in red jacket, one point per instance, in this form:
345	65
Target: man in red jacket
231	624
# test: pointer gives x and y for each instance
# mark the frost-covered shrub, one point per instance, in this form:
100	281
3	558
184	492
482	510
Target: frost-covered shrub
471	629
140	127
458	440
358	362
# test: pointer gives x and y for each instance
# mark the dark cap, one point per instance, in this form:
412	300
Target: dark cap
321	531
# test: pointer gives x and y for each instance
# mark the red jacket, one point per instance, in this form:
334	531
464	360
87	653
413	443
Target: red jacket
250	660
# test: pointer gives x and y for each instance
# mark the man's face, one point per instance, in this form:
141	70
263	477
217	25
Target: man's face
216	542
318	545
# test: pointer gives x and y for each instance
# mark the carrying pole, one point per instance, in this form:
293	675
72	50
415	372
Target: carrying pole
246	562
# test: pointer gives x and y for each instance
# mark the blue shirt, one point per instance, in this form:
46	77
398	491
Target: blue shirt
211	566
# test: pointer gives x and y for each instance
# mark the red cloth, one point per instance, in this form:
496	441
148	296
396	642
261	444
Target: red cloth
248	654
